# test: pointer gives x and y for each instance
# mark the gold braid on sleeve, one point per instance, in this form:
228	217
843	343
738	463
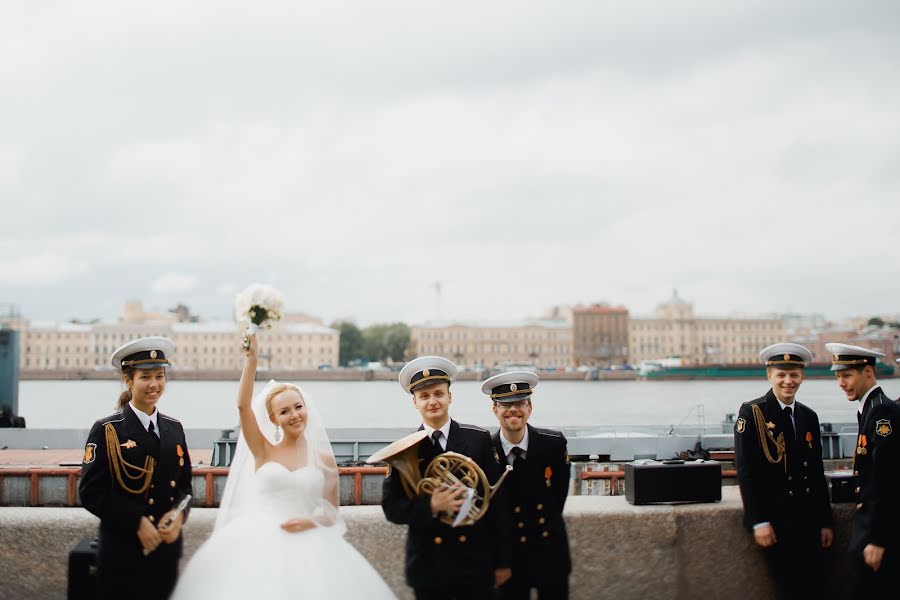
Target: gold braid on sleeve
765	436
132	472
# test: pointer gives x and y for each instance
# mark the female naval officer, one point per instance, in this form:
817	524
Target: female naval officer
136	470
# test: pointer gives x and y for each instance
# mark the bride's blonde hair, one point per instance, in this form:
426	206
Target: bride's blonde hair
278	389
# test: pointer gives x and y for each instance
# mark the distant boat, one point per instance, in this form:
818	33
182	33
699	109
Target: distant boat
748	371
514	367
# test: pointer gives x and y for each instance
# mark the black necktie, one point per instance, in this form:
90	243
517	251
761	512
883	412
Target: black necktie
155	439
519	460
436	440
790	422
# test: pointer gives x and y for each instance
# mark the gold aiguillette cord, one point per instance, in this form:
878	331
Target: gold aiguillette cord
119	467
765	436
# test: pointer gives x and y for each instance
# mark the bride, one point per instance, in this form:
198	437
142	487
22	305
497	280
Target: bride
278	533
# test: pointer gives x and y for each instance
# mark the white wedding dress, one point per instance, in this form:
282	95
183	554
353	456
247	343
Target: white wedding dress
252	558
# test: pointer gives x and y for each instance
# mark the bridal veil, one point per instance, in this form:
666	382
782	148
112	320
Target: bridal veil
238	495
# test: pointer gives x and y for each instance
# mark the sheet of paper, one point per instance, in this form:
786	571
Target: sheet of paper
466	507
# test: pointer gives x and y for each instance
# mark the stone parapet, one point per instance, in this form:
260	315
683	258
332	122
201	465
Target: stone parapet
618	550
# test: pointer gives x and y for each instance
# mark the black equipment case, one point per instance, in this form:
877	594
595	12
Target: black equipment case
840	486
652	481
83	569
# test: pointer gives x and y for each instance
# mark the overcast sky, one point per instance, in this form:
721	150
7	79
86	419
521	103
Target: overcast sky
524	154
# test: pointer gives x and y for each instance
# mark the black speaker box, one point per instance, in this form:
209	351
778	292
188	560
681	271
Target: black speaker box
651	481
83	569
841	486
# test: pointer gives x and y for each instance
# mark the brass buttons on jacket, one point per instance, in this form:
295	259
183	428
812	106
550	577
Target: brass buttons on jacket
172	483
523	539
517	509
541	521
152	519
462	539
521	525
546	534
151	501
438	540
540	507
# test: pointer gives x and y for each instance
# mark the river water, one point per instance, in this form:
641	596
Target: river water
211	404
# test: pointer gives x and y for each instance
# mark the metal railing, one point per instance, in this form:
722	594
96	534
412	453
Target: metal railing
34	476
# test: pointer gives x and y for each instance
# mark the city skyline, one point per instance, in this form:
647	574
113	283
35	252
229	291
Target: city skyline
182	312
519	155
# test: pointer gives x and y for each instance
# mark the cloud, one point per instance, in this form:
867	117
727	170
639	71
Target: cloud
11	161
227	289
598	151
46	269
173	283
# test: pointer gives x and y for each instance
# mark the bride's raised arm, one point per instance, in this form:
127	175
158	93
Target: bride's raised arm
249	427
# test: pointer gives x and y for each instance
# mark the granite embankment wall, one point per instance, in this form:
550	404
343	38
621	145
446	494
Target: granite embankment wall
619	550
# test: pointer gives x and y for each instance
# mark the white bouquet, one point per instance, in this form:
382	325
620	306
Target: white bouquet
259	305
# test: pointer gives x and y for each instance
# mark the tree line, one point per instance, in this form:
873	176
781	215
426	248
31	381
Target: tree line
383	342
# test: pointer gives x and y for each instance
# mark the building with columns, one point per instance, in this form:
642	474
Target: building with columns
543	344
600	335
675	332
210	345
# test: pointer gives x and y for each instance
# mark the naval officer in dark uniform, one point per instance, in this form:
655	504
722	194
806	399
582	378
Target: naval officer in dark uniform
445	562
536	490
875	539
136	470
778	453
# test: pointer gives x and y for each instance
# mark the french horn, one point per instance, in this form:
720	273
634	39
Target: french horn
449	469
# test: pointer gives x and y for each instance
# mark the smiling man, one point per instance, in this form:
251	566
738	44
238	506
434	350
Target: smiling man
445	562
875	540
778	453
537	490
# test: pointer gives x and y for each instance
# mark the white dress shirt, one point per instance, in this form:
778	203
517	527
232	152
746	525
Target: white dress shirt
508	446
445	429
793	406
862	401
147	419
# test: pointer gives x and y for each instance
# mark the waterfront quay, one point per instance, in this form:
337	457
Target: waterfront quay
618	549
665	552
41	467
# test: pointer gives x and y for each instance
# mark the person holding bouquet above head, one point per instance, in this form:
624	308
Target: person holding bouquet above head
279	533
445	561
135	474
258	305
